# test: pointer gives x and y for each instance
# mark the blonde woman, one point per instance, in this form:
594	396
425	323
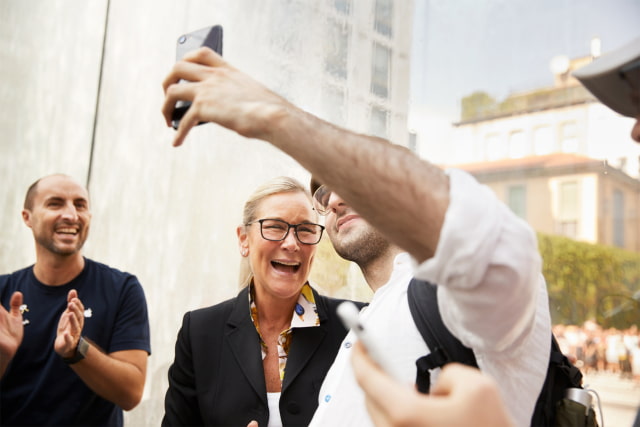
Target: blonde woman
263	355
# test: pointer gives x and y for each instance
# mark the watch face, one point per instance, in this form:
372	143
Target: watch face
83	346
81	352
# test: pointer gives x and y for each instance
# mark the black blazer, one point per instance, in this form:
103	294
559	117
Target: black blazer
217	376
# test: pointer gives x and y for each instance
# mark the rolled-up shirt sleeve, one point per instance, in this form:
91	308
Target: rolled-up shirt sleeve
488	269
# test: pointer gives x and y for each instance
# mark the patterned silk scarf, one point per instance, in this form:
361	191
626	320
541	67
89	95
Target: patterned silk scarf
305	315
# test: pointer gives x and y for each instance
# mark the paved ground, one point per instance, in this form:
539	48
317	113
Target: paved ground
620	398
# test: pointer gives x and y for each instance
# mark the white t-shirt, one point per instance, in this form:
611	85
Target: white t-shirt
273	400
492	296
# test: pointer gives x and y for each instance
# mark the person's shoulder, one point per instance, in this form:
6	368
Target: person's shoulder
18	273
15	277
106	270
216	312
331	302
116	281
221	306
100	266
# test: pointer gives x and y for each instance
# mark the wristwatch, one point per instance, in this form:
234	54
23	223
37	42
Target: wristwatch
81	352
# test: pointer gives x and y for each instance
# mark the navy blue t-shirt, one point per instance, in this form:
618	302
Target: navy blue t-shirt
38	388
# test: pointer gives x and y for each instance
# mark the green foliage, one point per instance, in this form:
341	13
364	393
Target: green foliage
587	281
334	276
329	271
478	104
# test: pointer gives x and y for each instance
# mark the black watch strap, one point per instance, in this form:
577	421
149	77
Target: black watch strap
81	352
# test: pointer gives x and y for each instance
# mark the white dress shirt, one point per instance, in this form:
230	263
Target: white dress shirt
492	296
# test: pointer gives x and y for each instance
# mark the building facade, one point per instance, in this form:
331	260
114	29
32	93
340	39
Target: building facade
354	56
568	195
558	158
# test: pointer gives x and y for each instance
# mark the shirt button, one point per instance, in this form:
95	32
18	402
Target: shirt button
347	344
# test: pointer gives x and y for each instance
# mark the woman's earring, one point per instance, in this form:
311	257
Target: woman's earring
244	252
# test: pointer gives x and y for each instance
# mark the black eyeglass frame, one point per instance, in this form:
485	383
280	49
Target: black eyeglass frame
321	200
289	227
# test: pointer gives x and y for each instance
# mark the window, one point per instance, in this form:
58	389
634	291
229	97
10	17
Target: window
333	105
383	17
568	228
618	218
543	142
569	199
494	147
283	37
517	147
568	209
337	46
380	70
569	137
413	141
379	122
342	6
517	200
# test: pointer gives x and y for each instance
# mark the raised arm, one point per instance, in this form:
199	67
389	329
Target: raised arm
11	331
401	195
118	376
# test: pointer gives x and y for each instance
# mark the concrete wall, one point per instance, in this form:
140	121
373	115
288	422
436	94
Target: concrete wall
166	214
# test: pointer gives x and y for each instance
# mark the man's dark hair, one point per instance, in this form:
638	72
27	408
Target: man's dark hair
31	194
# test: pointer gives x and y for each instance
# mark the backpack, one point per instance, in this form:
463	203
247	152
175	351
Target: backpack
444	347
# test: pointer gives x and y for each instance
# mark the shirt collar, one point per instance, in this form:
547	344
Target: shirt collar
305	312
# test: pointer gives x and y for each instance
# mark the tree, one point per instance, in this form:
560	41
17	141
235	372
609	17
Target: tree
478	104
587	281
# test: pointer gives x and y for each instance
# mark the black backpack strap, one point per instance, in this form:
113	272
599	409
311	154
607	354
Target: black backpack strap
572	374
561	375
444	347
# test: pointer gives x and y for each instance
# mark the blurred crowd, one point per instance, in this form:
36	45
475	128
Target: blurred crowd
597	349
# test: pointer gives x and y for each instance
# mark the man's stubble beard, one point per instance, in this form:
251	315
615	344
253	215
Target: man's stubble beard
50	245
361	246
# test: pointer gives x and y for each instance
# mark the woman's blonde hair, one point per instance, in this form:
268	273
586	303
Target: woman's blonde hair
278	185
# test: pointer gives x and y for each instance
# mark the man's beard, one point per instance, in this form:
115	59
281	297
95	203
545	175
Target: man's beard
50	245
361	246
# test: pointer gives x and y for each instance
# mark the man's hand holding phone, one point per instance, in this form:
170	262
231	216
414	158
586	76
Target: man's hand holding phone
210	37
222	94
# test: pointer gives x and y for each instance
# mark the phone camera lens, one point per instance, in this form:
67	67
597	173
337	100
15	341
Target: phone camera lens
182	39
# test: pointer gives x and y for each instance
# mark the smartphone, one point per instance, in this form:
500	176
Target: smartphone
349	314
210	37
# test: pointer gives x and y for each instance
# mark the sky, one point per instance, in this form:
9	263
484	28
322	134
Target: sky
505	46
